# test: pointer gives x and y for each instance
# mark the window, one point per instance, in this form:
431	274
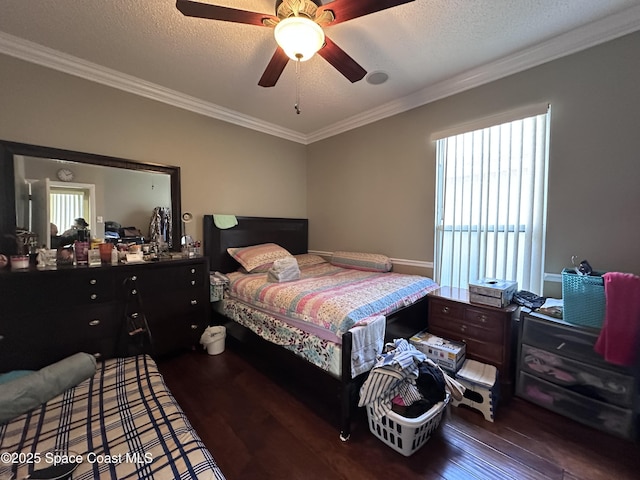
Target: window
491	200
66	205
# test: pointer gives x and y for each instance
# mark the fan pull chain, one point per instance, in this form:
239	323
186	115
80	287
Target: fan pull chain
297	104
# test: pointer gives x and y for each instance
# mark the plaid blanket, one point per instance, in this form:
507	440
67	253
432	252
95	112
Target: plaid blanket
123	423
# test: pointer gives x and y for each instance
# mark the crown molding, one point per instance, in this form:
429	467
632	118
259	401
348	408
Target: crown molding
592	34
579	39
48	57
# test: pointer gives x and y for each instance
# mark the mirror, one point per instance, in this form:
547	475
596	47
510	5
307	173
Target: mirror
114	190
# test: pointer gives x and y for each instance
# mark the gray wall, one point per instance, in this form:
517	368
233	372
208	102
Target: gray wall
373	188
224	168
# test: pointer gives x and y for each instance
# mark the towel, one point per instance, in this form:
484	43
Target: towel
224	221
479	373
618	338
284	270
367	340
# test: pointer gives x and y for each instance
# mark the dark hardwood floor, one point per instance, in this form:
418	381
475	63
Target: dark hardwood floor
265	421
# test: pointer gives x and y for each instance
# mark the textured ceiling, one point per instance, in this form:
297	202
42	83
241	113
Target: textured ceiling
429	48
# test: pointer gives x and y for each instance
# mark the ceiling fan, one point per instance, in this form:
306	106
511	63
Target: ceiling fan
309	14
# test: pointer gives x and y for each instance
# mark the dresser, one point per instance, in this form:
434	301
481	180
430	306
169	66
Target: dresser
489	333
49	314
558	369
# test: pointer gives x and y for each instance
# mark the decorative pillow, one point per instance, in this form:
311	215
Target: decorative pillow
371	262
305	259
27	392
258	258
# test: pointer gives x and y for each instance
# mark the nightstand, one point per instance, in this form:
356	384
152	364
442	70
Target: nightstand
489	333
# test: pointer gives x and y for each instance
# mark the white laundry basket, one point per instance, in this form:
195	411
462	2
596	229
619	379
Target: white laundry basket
213	339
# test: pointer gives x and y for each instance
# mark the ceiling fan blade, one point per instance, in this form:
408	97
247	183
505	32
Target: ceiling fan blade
274	68
225	14
342	62
345	10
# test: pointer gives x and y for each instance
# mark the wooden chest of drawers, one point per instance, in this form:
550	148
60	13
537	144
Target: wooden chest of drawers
488	332
49	314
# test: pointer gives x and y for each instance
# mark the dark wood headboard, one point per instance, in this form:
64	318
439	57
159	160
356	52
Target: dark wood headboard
289	233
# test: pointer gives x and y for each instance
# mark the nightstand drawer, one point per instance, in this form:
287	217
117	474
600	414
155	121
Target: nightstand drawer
485	319
467	329
445	309
578	377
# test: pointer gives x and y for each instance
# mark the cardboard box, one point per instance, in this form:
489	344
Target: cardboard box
448	354
492	292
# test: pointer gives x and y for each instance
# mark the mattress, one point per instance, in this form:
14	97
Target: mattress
122	423
309	316
329	297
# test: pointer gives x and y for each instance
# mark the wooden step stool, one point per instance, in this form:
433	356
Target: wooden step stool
481	385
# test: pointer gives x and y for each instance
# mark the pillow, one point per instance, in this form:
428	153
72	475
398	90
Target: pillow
25	393
305	259
7	377
258	258
371	262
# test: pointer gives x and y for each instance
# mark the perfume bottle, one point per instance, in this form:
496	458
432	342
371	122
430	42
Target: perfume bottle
81	247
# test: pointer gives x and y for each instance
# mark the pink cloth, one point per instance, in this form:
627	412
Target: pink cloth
618	340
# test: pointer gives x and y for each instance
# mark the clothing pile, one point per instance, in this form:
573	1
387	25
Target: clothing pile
406	381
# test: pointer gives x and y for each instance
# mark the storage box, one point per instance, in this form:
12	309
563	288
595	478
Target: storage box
446	353
406	435
492	292
583	299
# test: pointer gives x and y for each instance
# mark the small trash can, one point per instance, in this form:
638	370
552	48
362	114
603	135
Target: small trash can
213	339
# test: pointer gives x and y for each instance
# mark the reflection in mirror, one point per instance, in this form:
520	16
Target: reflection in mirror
44	186
101	195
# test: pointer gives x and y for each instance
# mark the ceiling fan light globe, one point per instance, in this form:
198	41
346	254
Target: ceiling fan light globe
299	37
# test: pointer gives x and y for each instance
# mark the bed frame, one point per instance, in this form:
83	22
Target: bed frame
292	234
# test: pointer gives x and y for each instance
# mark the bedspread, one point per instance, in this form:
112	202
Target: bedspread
331	297
123	422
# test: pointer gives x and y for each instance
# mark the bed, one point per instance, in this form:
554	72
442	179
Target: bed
313	324
120	423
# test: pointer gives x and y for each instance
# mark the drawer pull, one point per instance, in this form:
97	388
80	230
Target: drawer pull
193	282
445	309
463	328
1	337
193	270
93	296
134	291
482	318
93	281
194	326
194	302
94	323
134	277
560	346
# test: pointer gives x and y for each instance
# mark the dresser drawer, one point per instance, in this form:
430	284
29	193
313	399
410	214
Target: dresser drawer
568	341
615	420
578	377
467	329
445	309
488	352
485	319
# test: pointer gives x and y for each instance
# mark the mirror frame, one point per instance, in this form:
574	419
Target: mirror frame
7	184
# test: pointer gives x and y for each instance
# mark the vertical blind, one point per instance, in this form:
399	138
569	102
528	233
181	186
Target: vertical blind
491	203
65	208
